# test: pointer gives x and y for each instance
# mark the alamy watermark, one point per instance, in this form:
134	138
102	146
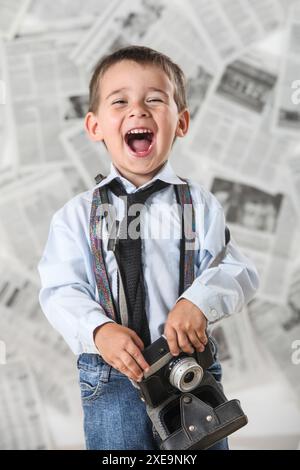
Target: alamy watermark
2	92
296	94
2	352
296	354
164	226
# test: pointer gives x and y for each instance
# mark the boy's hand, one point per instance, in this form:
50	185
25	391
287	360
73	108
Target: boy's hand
185	328
121	348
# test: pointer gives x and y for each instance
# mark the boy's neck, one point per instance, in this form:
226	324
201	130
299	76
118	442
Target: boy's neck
136	179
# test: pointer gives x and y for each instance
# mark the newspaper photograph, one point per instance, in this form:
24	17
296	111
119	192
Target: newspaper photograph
258	222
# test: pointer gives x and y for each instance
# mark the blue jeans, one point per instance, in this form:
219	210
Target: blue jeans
115	417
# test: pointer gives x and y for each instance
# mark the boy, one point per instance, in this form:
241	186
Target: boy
137	109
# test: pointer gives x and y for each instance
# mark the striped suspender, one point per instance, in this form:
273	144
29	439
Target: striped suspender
186	265
104	291
187	253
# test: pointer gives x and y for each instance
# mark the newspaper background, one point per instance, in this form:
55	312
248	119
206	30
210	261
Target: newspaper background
242	65
287	115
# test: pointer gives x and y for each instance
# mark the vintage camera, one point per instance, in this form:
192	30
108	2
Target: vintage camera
169	374
185	403
197	419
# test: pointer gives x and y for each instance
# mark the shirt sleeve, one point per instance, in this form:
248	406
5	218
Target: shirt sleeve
222	290
67	296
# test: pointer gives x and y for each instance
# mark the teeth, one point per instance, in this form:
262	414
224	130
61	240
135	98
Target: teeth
139	131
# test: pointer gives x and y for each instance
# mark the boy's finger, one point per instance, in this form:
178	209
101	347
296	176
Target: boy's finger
134	351
195	341
184	343
121	367
202	337
171	336
131	365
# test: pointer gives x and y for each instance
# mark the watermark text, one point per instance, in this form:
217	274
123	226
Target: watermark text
2	352
296	94
296	354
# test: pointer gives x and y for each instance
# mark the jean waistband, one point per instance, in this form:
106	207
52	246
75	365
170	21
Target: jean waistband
90	359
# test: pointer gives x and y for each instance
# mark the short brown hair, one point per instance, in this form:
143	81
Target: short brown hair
141	55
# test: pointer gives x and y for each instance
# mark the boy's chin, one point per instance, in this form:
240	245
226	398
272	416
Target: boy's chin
147	166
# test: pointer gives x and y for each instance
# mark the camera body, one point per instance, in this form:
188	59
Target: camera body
169	374
185	403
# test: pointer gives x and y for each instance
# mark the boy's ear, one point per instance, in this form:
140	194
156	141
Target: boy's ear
183	123
93	128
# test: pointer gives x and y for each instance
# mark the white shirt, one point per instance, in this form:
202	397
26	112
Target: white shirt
69	293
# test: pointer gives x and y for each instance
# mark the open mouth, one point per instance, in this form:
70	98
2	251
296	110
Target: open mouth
140	141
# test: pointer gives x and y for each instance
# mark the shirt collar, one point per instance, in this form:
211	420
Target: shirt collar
166	173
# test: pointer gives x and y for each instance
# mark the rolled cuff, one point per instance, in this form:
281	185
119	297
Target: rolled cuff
87	326
212	304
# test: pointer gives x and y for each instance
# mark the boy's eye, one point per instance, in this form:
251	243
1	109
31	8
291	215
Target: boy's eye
149	100
119	102
155	99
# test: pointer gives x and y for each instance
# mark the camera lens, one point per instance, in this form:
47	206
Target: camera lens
188	377
185	373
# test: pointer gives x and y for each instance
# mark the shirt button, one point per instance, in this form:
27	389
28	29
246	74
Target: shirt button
214	312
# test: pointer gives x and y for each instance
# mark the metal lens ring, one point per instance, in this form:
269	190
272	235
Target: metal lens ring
185	374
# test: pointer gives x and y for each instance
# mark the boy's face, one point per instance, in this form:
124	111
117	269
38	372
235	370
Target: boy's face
137	97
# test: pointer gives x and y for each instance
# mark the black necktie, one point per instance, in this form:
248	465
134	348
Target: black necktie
128	252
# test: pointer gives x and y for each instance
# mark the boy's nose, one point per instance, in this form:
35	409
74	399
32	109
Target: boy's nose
138	111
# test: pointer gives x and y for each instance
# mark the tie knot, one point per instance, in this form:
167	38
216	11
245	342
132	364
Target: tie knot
139	197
